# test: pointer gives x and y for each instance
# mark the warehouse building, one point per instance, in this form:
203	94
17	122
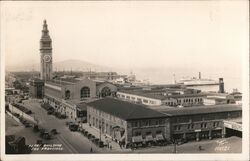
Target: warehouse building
127	122
136	123
203	122
176	97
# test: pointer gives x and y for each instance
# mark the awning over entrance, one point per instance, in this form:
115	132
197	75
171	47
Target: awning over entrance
137	139
159	137
149	137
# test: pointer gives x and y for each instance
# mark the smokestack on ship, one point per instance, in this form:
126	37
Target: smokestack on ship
221	85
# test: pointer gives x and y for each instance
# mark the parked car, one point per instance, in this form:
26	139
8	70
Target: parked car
63	116
35	128
54	131
46	135
73	127
26	124
101	144
39	142
50	112
86	133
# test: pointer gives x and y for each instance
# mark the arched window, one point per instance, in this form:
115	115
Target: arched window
85	92
105	92
67	94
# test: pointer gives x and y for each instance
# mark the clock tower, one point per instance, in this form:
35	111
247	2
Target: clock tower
45	54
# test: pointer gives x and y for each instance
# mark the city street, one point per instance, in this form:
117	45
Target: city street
72	142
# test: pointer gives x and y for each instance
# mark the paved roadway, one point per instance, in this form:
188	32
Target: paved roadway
73	142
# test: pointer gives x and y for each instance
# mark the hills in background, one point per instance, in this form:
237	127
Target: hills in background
67	65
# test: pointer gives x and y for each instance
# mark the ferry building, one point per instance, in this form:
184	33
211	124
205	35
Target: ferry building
66	95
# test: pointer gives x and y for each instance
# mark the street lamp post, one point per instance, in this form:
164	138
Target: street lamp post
100	135
175	147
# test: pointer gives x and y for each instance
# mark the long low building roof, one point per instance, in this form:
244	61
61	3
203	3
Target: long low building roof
152	95
200	109
130	111
124	109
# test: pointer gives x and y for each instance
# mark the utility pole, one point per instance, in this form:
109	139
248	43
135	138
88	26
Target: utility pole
100	135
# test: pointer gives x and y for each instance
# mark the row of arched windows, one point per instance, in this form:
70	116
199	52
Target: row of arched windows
84	93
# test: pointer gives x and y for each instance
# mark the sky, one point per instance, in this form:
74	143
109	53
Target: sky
132	34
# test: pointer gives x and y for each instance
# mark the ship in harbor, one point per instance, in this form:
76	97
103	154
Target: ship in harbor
197	81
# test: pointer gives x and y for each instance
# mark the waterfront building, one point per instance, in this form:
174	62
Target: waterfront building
201	122
169	97
45	54
218	98
66	95
127	122
136	123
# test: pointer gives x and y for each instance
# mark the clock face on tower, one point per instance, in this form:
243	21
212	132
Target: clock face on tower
47	58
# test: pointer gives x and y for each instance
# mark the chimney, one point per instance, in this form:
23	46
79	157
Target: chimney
199	75
221	85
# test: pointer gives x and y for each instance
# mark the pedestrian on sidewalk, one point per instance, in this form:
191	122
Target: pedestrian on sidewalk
91	150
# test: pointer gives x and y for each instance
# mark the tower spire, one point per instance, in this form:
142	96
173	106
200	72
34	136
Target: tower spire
46	53
45	31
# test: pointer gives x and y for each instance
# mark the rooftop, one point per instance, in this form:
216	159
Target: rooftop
125	110
65	81
235	120
200	109
151	94
58	83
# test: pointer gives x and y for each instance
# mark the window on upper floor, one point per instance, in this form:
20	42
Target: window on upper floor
177	127
137	133
67	94
158	132
85	92
161	121
135	124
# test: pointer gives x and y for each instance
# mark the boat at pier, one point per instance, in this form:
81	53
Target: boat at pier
197	81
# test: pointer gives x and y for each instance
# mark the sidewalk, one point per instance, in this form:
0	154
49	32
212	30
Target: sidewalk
115	146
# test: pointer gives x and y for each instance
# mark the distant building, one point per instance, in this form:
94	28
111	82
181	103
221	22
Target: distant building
218	98
36	88
169	97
